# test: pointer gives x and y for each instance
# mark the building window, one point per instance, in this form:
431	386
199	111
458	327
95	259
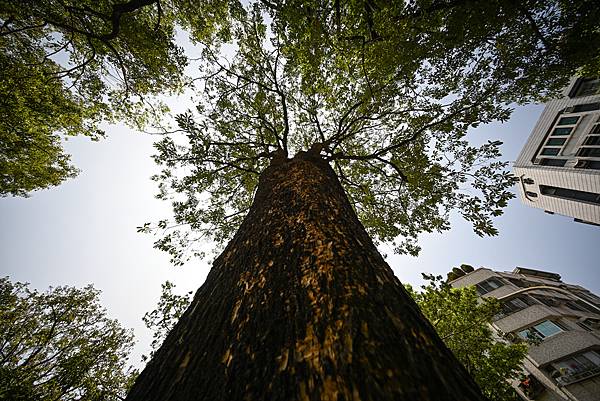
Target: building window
488	285
559	134
553	162
585	87
588	164
542	330
573	305
588	296
591	145
588	152
561	131
548	301
586	107
550	151
570	194
568	120
590	324
577	367
514	305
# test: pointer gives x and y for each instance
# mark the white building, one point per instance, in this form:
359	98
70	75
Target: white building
559	166
565	318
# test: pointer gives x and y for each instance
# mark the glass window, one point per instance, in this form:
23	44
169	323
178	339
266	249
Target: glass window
570	194
550	151
574	306
525	334
586	107
553	162
588	296
585	87
561	131
542	330
556	141
547	328
591	140
590	324
588	152
568	120
595	129
488	285
593	356
578	363
588	164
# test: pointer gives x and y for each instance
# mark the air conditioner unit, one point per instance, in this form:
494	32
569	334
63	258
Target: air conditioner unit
581	163
537	161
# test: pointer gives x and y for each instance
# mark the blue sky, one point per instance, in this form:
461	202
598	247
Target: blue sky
85	231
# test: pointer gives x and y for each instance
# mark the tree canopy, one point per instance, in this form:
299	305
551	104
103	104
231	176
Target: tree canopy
385	91
60	345
463	323
66	66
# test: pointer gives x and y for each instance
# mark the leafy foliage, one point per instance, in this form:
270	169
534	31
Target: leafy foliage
65	66
168	311
385	91
463	323
60	345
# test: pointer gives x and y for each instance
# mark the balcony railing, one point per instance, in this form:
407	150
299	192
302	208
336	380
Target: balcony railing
575	377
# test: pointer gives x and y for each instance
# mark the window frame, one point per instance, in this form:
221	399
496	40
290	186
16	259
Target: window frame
481	290
576	367
569	194
592	135
553	151
536	333
577	88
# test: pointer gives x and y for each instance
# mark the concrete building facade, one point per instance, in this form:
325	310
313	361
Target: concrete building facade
562	320
559	166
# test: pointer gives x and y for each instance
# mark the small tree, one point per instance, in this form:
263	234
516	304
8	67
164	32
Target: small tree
463	323
60	345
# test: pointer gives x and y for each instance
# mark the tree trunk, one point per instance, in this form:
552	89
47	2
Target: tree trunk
301	306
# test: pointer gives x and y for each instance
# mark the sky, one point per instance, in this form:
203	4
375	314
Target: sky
84	231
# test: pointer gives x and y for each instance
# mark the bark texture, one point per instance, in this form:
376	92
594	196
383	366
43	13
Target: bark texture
301	306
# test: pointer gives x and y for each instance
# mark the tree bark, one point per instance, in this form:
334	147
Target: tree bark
301	306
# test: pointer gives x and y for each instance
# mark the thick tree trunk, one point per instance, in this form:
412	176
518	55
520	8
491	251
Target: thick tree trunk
301	306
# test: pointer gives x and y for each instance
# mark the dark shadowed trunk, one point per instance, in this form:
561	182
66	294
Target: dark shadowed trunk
301	306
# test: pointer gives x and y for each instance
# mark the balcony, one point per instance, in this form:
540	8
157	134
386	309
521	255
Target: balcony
579	376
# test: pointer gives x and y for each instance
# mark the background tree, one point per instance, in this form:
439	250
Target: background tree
66	66
162	319
60	345
463	323
457	272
